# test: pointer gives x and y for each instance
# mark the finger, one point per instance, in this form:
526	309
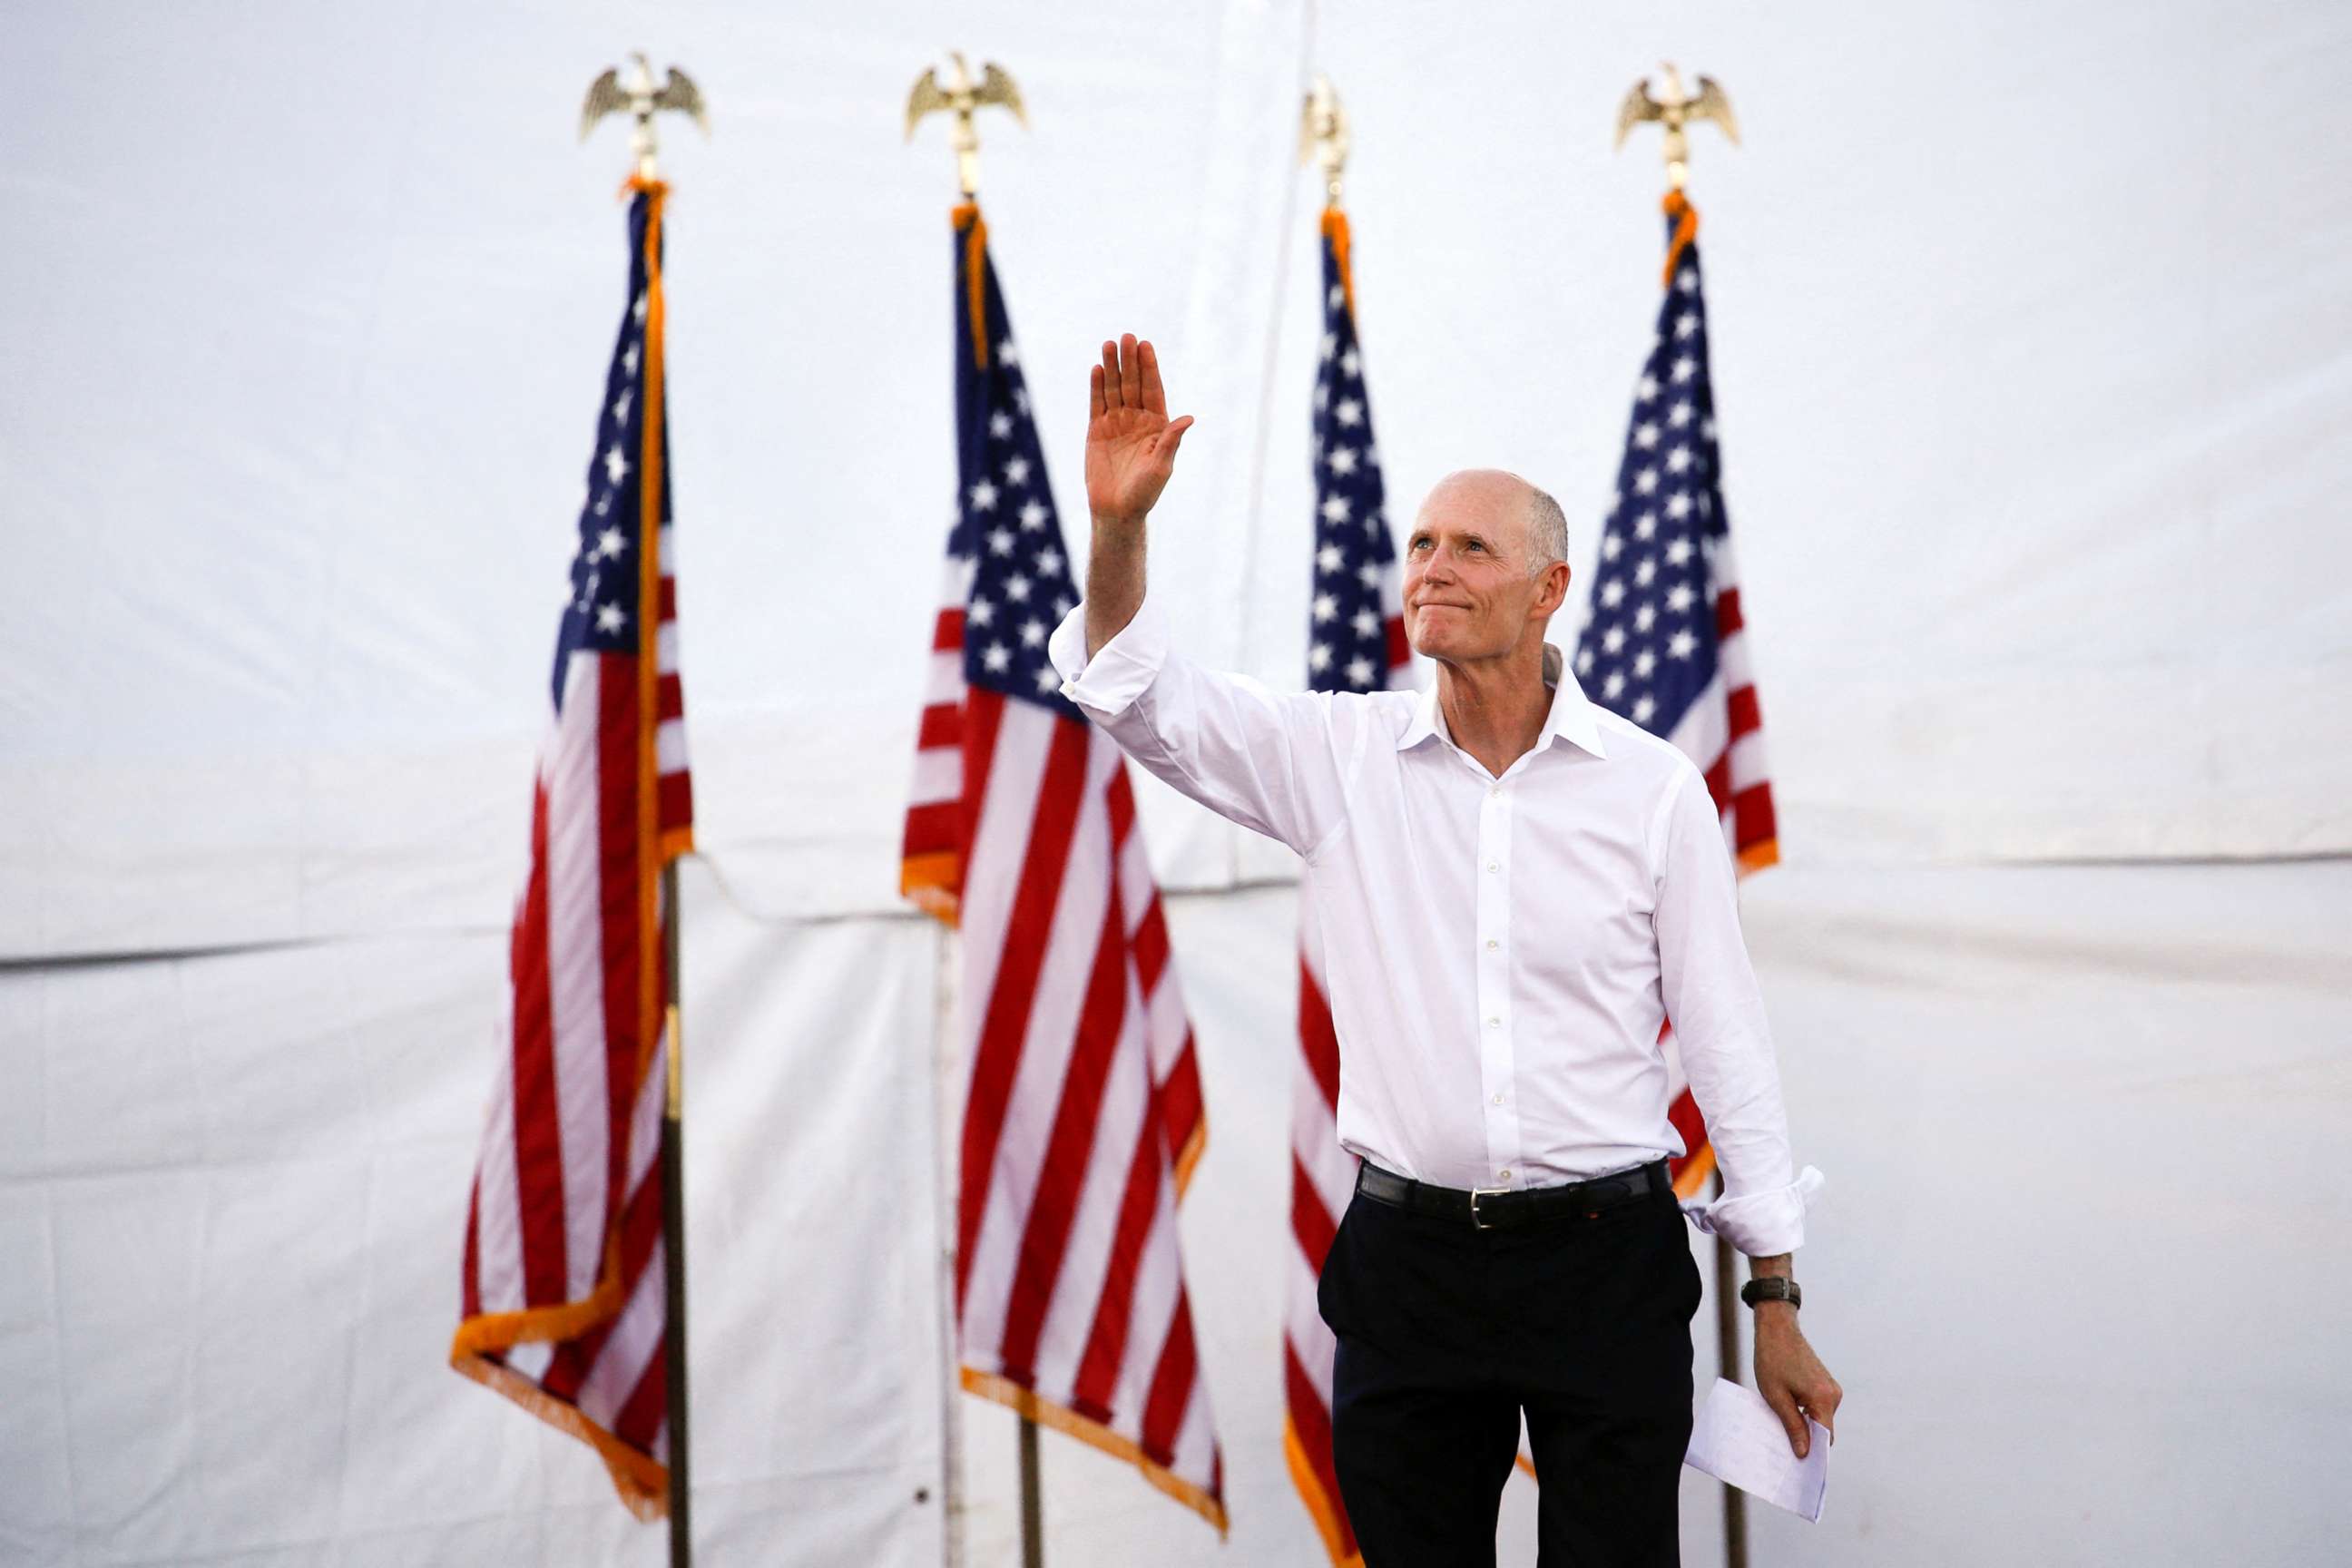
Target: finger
1131	370
1109	374
1173	436
1155	399
1791	1420
1095	379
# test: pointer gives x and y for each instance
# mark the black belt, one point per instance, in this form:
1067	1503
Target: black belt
1503	1208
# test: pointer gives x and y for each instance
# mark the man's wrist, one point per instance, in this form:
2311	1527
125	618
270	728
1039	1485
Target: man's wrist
1772	1289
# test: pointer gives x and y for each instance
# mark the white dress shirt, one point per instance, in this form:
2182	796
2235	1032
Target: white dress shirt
1500	951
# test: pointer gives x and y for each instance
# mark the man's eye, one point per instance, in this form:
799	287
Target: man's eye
1476	544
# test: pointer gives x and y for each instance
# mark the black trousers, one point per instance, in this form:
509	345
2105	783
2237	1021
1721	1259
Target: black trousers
1447	1334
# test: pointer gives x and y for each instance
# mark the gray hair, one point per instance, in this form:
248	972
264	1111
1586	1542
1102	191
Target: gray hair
1547	532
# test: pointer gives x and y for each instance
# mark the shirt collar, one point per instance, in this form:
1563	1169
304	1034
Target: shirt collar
1569	718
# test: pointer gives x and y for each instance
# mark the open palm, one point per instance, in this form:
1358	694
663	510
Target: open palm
1130	441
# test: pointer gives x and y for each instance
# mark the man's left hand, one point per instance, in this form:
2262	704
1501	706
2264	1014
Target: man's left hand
1790	1377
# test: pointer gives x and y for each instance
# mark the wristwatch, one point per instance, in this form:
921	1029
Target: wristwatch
1772	1288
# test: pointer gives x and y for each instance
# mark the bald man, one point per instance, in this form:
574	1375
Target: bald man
1514	889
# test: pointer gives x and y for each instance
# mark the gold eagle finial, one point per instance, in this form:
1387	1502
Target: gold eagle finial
1675	110
960	97
640	99
1323	135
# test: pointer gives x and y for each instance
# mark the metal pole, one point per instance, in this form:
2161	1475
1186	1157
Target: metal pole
1727	1327
1032	1511
945	1058
673	1167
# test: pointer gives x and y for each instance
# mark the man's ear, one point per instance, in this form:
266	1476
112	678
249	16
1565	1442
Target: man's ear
1554	591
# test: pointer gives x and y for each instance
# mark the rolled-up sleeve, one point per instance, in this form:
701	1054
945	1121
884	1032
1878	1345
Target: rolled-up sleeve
1255	756
1717	1012
1106	686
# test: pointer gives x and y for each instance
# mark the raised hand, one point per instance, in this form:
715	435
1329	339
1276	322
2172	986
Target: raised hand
1130	441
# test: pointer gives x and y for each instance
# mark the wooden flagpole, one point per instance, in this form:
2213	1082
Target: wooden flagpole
1727	1327
1033	1509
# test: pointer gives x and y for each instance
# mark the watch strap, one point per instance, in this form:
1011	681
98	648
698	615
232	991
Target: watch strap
1772	1288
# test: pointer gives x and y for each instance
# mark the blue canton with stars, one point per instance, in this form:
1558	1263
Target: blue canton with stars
1648	645
1348	647
1005	525
603	612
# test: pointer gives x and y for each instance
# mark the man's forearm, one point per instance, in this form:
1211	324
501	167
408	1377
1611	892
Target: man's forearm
1114	579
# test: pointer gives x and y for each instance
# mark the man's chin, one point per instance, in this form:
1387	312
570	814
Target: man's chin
1434	630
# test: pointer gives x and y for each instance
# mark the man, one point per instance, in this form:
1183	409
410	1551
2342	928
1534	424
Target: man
1516	889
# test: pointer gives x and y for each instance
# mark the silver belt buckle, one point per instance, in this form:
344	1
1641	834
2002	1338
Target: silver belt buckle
1478	1221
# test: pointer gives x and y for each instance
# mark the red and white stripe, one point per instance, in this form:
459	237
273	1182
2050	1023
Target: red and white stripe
1322	1183
563	1283
672	780
1082	1102
1723	734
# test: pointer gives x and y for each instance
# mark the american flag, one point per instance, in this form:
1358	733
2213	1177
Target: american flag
562	1289
1082	1109
1355	642
1663	642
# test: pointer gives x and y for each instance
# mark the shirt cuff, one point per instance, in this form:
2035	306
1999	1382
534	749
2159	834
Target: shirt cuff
1761	1225
1121	669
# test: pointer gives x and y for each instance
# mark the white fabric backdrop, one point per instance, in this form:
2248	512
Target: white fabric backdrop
2077	1266
232	1193
2031	334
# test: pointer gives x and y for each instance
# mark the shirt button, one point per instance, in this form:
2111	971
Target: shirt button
1496	792
1498	1100
1502	1175
1493	1023
1492	944
1494	865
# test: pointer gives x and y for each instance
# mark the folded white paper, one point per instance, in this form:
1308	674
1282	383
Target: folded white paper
1736	1439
